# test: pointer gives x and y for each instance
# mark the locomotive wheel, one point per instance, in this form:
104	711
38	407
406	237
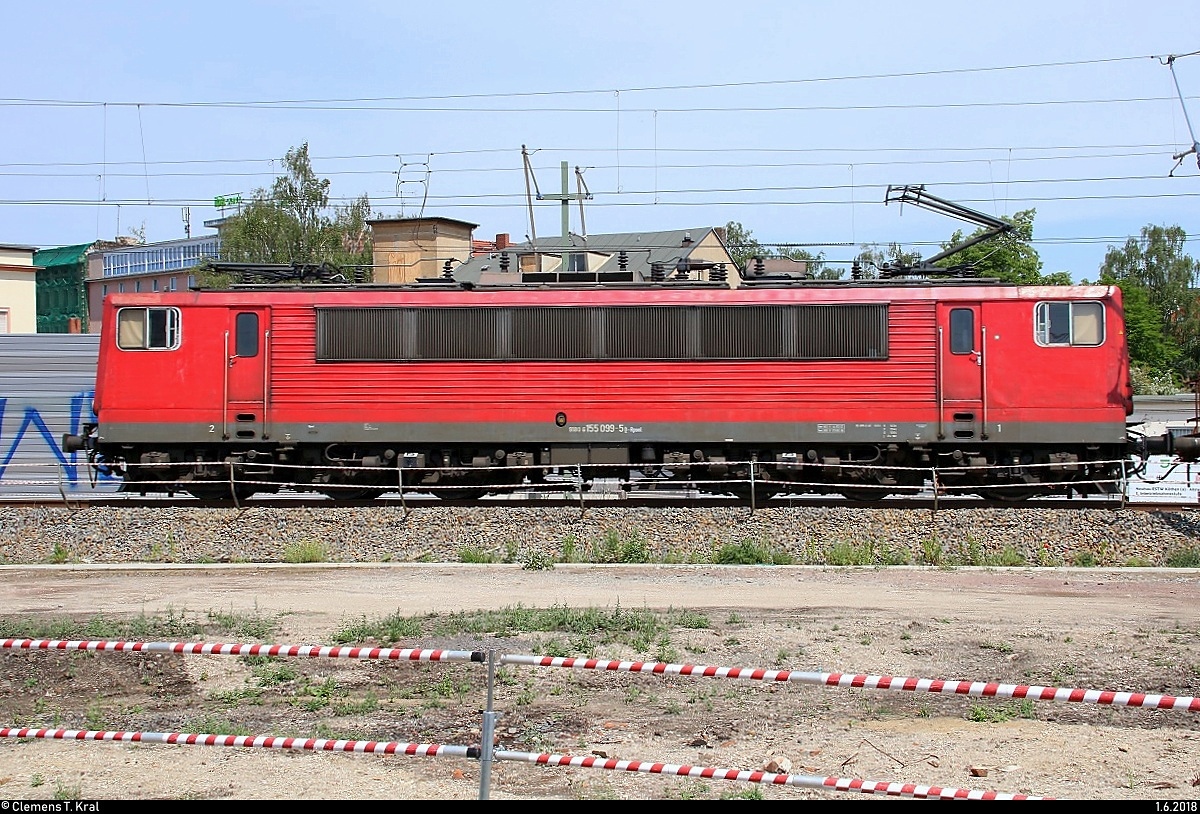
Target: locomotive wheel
1011	494
221	491
461	493
762	492
864	495
359	493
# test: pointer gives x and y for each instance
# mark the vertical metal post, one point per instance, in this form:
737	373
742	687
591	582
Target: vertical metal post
487	732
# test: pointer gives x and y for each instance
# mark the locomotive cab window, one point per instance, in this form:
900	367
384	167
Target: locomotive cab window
148	328
962	330
1069	323
245	340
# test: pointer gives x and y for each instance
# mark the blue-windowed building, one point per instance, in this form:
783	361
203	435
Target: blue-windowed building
145	267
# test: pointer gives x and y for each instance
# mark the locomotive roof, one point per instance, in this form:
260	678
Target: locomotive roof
681	292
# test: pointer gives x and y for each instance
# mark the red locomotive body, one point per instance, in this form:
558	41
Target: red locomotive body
860	388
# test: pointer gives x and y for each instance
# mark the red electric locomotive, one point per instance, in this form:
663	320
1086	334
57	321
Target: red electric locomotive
863	388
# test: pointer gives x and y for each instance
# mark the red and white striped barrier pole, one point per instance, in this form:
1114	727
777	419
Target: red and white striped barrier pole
255	741
890	789
220	649
975	689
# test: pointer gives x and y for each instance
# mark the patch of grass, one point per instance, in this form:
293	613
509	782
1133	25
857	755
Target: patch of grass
475	555
367	704
537	561
235	698
67	791
269	671
303	551
615	547
1011	558
752	793
59	554
586	628
999	713
931	551
751	552
169	625
1084	559
209	725
845	553
570	549
1184	558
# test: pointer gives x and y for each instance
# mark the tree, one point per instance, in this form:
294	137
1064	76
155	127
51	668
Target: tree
1008	257
871	258
291	223
1158	278
743	248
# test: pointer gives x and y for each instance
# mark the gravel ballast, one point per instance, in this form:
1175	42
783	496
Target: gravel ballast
806	535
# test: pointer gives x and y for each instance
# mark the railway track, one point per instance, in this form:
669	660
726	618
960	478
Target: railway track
585	501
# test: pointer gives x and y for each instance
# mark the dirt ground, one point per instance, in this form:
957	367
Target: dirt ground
1132	630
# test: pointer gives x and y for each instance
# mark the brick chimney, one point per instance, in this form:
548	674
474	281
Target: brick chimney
502	242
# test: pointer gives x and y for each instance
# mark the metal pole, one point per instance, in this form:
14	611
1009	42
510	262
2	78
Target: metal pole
487	736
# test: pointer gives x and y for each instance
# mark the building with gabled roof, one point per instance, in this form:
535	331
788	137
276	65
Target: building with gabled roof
697	254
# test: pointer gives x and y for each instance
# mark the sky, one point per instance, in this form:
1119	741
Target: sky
792	119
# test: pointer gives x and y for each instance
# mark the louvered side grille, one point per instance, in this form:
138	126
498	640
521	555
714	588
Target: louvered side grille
620	333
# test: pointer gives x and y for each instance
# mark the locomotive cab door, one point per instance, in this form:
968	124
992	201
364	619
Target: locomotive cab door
247	365
961	387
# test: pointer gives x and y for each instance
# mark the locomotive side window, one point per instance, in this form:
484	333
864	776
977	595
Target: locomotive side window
962	330
1069	323
245	340
148	328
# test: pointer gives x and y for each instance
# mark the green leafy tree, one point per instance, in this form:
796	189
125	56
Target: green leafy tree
292	224
1154	272
1008	257
871	259
743	248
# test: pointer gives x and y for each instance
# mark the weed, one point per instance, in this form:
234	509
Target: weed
208	725
1011	558
37	780
931	550
538	561
750	552
570	549
368	704
1184	558
475	555
59	555
66	791
1084	559
94	717
752	793
304	551
269	671
849	554
665	652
